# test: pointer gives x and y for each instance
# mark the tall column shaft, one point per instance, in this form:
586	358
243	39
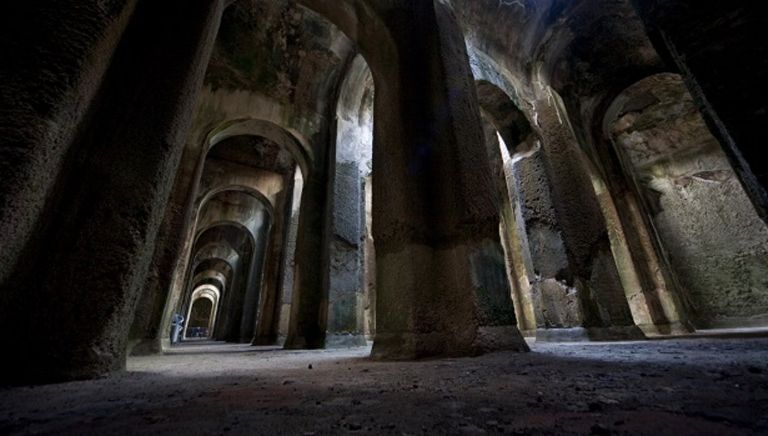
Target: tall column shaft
57	55
441	286
80	304
255	280
310	296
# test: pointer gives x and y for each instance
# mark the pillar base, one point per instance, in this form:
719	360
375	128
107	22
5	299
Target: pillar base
345	340
411	346
40	369
301	343
663	330
259	341
590	334
499	338
145	347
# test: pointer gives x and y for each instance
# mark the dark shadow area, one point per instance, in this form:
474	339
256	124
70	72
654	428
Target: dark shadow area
665	387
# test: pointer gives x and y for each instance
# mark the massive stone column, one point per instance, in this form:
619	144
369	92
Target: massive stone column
441	285
268	315
369	263
56	57
147	332
650	286
256	277
79	303
310	297
288	262
512	231
581	292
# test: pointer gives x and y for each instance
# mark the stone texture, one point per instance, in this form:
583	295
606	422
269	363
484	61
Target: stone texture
708	44
61	55
715	241
634	388
147	158
114	216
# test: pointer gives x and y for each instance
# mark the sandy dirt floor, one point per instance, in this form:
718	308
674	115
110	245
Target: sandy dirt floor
702	386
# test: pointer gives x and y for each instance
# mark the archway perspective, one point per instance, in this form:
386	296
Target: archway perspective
201	316
390	217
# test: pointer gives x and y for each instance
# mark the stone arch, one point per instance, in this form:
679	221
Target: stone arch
508	132
236	222
266	188
569	255
204	292
258	195
216	272
511	122
693	201
361	23
350	306
216	256
240	258
294	142
413	114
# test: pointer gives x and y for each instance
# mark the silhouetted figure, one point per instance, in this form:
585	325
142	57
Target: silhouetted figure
177	325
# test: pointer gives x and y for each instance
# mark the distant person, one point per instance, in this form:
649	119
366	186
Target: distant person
177	325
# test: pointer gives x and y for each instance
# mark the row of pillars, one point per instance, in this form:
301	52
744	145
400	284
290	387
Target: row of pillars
96	145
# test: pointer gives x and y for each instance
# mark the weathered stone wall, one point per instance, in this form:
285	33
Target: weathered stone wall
717	244
718	48
353	161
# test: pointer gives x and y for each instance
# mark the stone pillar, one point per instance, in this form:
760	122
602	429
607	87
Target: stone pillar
581	293
79	304
369	263
555	305
232	304
56	57
147	333
268	316
310	296
256	277
289	260
441	282
518	251
651	289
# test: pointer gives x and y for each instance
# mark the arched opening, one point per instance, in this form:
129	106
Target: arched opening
225	253
273	163
567	284
265	141
508	133
249	178
716	244
199	319
426	150
201	316
351	294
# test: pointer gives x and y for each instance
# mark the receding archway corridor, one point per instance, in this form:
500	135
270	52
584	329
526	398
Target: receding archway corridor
567	388
383	216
